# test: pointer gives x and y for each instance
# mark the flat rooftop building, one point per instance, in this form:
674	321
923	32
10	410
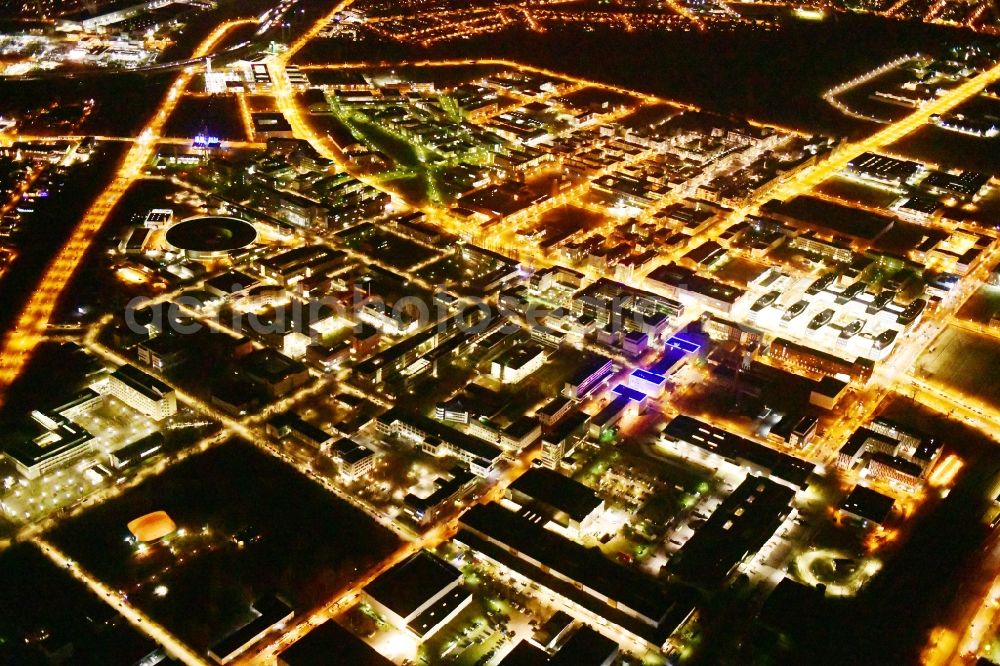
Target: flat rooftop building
355	459
680	282
736	530
61	441
586	647
330	643
301	262
230	283
671	361
559	498
276	373
740	451
600	589
439	439
446	493
525	654
271	612
553	410
868	505
421	594
290	424
270	124
559	441
592	371
804	211
820	362
142	449
884	169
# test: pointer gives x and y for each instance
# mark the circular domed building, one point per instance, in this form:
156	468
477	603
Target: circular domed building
210	236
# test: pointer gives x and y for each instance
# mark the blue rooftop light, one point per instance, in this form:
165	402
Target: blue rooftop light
690	346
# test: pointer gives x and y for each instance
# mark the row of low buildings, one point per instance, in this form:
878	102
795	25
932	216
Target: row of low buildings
421	595
737	529
598	590
702	439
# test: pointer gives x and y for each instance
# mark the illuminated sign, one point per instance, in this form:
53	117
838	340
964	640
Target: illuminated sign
207	141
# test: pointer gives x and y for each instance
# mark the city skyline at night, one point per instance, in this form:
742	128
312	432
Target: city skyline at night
500	333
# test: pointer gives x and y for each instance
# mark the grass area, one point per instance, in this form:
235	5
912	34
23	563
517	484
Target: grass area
933	144
852	190
397	149
448	270
451	377
41	599
740	270
982	306
963	361
559	367
452	271
218	115
387	247
422	185
299	542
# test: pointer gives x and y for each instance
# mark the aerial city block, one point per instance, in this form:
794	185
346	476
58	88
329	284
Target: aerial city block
500	333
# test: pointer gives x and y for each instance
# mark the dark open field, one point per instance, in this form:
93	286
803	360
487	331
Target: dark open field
300	542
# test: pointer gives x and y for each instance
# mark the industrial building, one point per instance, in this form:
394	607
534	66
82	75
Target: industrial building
421	594
583	578
558	499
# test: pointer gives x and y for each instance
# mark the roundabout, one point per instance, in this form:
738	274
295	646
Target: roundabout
842	574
